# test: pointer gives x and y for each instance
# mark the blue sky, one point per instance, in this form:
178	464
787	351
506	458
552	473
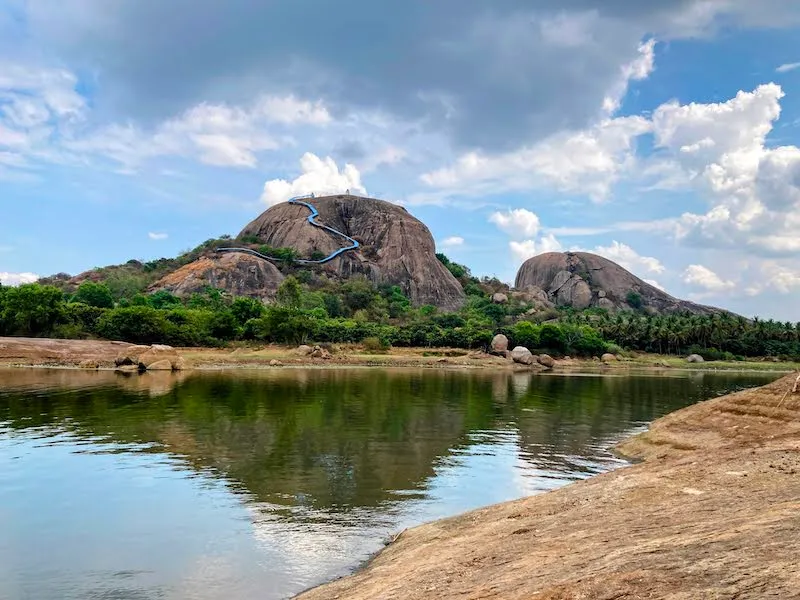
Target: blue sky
662	135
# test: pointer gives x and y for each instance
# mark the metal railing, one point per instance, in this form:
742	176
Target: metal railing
312	218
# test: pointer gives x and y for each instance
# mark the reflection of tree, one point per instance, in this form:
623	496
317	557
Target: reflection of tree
342	439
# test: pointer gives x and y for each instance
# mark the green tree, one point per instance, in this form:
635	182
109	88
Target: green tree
289	292
94	294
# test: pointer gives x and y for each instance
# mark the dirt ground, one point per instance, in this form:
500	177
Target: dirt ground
712	512
70	353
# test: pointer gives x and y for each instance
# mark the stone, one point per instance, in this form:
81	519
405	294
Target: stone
275	363
236	273
694	358
319	352
546	361
158	353
304	350
522	355
499	344
89	364
569	278
395	247
499	298
160	365
608	357
130	355
127	368
179	364
596	358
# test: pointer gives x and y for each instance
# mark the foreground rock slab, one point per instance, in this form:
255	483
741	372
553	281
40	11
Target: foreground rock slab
713	512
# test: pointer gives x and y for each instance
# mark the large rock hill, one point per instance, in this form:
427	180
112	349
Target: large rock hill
581	280
396	248
237	274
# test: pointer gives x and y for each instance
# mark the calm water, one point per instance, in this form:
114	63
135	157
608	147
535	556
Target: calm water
256	485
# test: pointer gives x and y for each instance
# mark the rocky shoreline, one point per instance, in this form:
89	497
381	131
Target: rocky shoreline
713	511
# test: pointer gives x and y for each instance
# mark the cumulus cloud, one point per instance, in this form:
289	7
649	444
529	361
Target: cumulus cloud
452	242
588	161
705	278
753	188
319	176
628	258
157	236
13	279
519	222
523	250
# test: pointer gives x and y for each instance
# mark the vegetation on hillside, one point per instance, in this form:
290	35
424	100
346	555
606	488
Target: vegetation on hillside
312	308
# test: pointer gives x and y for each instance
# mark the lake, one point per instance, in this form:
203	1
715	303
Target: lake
258	484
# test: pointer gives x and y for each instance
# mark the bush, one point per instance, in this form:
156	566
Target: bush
634	300
375	344
137	324
94	294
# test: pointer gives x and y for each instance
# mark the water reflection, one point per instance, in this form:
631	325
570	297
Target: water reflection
258	484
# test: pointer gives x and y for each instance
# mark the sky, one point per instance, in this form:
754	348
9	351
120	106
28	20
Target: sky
662	135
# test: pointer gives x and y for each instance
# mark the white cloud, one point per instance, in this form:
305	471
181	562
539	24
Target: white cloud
452	242
17	278
785	68
519	222
157	236
628	258
319	176
705	278
655	284
589	162
522	251
636	70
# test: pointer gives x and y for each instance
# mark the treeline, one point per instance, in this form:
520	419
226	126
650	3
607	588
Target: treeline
311	308
354	311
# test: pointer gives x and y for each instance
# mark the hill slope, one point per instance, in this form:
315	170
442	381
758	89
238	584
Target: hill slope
582	280
395	248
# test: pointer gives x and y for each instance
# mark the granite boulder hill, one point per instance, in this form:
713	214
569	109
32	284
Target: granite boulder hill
238	274
395	248
583	280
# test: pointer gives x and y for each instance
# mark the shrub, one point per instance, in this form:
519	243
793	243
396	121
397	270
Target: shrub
137	324
634	300
375	344
94	294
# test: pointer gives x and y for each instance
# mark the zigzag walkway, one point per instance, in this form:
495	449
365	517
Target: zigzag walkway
312	218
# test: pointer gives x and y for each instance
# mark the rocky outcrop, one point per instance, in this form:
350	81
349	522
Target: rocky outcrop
522	355
238	274
499	344
157	357
395	248
583	280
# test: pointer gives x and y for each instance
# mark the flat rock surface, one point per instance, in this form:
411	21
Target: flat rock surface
713	512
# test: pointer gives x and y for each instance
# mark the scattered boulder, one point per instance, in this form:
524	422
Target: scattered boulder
522	355
608	357
275	363
158	353
160	365
304	350
500	298
695	358
319	352
596	358
499	344
130	355
128	368
89	364
546	361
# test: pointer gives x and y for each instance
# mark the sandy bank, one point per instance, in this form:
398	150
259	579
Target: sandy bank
712	512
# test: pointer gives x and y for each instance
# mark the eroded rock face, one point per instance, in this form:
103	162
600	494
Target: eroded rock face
395	247
236	273
581	280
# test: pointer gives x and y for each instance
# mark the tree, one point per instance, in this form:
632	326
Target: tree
289	292
31	309
634	300
243	309
94	294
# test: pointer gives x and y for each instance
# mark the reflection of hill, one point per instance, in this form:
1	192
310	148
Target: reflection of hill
340	439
